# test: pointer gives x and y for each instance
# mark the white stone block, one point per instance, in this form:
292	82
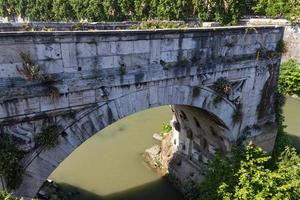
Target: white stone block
106	48
69	56
141	46
86	50
105	62
124	47
48	51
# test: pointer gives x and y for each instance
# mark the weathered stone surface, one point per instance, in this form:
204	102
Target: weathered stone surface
103	76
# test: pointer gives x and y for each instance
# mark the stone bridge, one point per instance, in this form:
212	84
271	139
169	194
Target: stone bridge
221	83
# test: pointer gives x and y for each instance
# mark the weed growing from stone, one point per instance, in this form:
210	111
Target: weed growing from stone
222	87
48	138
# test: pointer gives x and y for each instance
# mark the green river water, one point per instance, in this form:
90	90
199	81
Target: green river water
110	165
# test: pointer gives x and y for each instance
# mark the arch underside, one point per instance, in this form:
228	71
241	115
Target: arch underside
40	163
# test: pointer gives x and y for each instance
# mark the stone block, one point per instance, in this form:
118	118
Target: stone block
86	50
169	45
189	43
10	54
51	66
48	51
169	56
124	47
88	64
155	51
105	62
140	59
141	46
9	70
69	56
106	48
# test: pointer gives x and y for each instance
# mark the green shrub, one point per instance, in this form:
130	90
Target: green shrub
166	129
48	138
245	176
10	167
279	8
154	24
7	196
222	87
289	81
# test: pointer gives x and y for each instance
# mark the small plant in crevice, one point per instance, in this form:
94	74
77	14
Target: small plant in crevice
166	129
237	115
32	72
29	70
27	27
47	29
77	27
53	92
48	138
122	69
183	62
281	47
222	87
229	44
10	168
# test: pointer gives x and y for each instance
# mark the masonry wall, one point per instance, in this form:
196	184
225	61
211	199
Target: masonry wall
103	76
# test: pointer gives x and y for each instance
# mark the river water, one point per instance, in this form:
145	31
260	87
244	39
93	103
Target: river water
110	166
292	120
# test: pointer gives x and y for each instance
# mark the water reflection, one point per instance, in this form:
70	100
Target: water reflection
150	191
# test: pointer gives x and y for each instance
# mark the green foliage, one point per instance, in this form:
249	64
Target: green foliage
279	8
289	81
154	24
238	114
204	9
48	138
226	12
40	10
12	8
172	10
166	129
63	11
222	87
245	176
7	196
281	47
10	167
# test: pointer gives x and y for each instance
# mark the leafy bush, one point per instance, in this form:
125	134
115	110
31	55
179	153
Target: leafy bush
245	176
166	128
289	81
10	167
154	24
48	138
222	87
7	196
279	8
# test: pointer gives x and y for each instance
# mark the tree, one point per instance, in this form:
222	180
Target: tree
246	176
63	10
40	10
112	10
12	8
205	9
172	10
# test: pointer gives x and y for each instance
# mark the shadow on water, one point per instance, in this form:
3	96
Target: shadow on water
156	190
296	141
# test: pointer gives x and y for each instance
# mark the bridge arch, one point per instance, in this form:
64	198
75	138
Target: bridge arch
91	120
